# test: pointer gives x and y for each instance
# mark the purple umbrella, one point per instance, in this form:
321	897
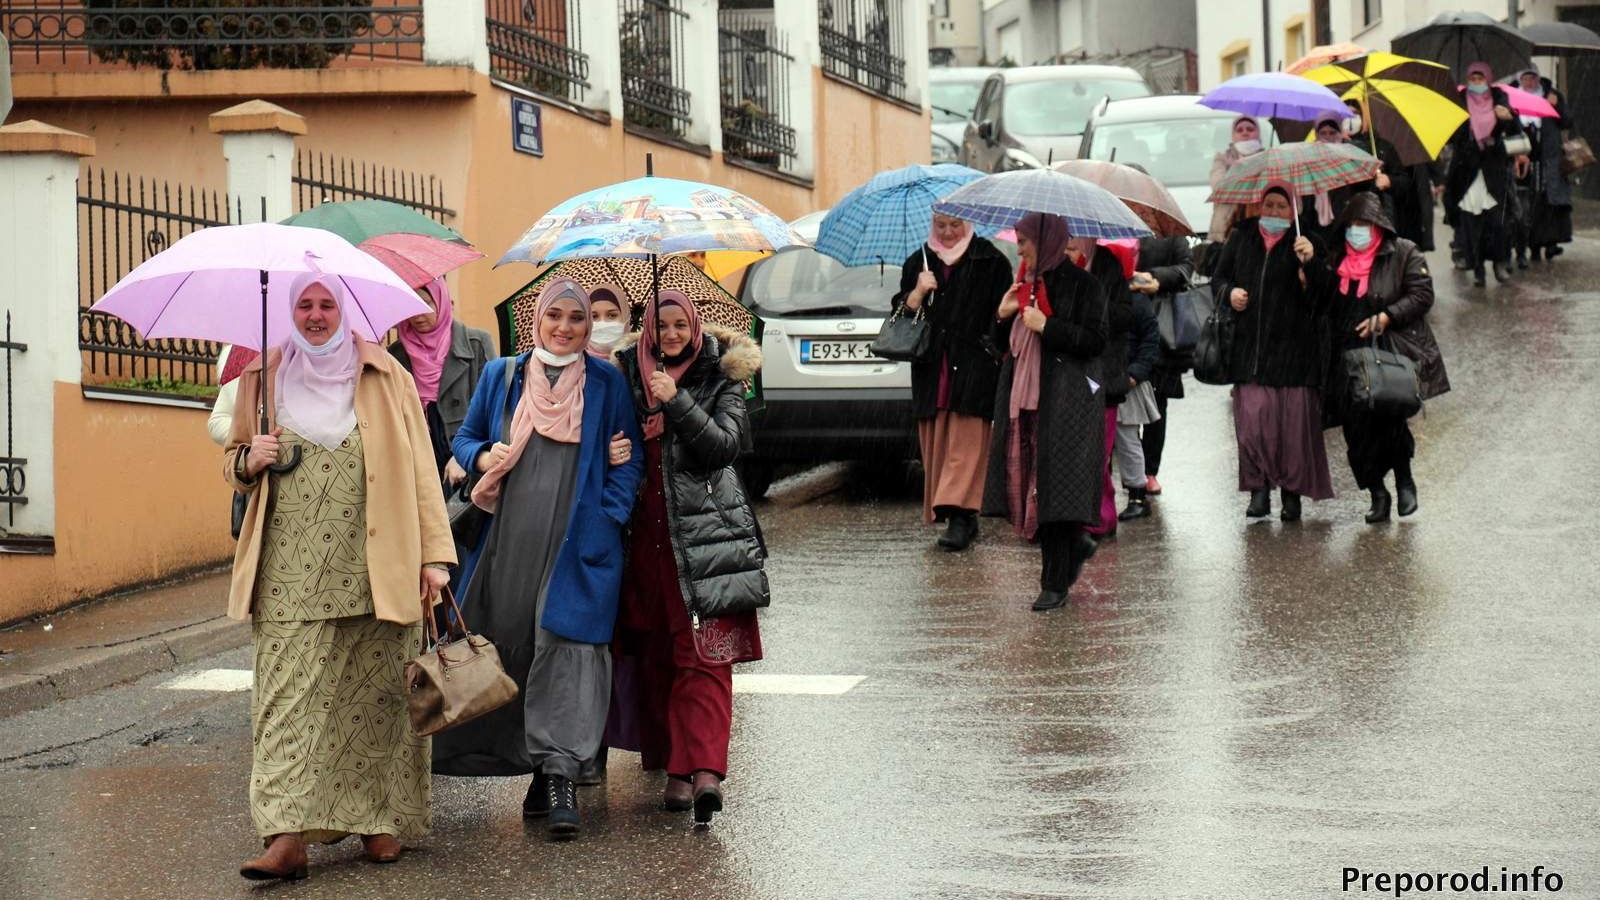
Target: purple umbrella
230	283
1276	95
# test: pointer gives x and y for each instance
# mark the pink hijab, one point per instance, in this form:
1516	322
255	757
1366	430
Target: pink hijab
553	411
950	254
1480	107
428	351
656	424
316	395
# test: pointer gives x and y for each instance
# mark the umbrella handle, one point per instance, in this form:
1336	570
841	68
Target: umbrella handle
655	297
288	465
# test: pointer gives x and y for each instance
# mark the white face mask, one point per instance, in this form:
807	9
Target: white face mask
1247	148
605	335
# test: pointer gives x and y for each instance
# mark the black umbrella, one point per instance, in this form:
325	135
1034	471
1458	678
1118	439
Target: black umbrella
1459	39
1561	39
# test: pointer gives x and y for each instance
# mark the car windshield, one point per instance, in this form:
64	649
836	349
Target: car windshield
1177	152
803	282
1063	106
953	100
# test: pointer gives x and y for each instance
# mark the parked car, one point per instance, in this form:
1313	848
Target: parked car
826	397
1173	137
1034	116
953	93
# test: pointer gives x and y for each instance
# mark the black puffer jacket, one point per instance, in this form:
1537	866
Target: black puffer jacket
1281	339
1113	367
715	536
959	312
1169	262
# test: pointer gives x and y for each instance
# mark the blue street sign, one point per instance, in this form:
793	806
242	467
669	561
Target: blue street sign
527	126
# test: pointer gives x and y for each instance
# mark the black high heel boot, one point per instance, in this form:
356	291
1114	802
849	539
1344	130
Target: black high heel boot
1291	506
1260	503
1405	491
1380	505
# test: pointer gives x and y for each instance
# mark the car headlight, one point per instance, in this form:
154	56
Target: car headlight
1016	159
945	150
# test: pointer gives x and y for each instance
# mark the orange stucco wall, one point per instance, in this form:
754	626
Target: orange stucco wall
139	497
123	522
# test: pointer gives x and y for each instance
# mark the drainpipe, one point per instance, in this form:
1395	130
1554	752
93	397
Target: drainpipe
1511	13
1266	35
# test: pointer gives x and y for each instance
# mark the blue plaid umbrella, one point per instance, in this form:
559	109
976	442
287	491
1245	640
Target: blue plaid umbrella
998	201
890	216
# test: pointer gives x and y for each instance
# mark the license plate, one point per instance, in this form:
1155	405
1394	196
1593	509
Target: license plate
836	351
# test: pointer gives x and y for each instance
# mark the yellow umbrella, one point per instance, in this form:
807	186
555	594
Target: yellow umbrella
719	264
1410	103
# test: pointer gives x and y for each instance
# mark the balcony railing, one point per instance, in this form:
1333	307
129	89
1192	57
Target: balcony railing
754	69
653	92
863	41
538	44
209	34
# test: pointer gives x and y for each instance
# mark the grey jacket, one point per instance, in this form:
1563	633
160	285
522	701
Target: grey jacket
470	350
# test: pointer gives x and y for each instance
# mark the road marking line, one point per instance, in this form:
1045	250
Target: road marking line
795	684
232	680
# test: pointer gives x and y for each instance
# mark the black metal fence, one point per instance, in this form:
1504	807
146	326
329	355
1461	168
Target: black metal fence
864	41
13	469
325	178
210	34
754	67
653	92
538	44
122	221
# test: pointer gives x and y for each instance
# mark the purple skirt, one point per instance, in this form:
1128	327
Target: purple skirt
1280	440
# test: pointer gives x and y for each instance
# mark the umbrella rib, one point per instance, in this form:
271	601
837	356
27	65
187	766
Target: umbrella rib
170	297
352	294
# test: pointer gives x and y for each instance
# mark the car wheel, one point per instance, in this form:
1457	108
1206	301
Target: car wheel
757	475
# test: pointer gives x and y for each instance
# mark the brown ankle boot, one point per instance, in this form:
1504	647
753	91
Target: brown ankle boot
285	858
381	848
707	796
679	796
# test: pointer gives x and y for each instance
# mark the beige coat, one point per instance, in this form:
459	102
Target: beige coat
406	521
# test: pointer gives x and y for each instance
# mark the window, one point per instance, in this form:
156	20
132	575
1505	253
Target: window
1061	107
1294	39
1177	152
1371	12
1235	59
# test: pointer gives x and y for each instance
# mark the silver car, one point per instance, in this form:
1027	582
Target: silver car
1033	117
826	397
953	92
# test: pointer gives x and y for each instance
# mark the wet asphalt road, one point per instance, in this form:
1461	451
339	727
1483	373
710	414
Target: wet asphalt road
1224	710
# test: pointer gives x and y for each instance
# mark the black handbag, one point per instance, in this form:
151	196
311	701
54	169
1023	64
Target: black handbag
904	338
1181	316
241	502
1213	348
1382	382
467	520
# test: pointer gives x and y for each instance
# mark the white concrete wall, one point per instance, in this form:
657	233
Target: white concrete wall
600	25
798	20
702	75
454	33
260	166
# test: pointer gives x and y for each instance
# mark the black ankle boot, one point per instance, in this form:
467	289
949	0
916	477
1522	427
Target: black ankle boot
1501	273
563	820
1291	506
536	803
1479	279
1260	503
1405	495
961	531
1380	505
1083	549
1138	505
1049	600
593	771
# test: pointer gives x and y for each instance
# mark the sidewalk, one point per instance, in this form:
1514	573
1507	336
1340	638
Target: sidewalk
115	640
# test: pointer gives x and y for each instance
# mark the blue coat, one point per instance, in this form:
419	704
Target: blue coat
582	601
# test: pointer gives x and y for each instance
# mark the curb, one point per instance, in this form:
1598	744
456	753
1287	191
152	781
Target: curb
85	671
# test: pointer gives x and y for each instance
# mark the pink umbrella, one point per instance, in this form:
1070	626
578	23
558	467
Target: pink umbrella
230	283
418	258
1525	104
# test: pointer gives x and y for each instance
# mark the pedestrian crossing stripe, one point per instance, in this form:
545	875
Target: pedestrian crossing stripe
237	680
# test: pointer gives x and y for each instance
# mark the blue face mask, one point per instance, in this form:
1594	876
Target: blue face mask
1274	225
1359	237
1478	88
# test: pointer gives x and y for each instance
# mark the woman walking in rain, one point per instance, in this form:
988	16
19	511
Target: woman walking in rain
1106	266
1550	219
1277	358
1166	267
696	562
1047	457
1479	178
1246	142
445	358
338	559
1379	285
543	584
958	279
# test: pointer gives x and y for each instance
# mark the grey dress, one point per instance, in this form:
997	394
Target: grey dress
566	684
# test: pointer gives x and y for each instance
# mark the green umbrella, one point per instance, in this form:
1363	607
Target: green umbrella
358	220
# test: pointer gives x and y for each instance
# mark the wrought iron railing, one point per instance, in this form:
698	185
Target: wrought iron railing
325	178
754	67
863	41
538	44
122	221
653	92
210	34
13	469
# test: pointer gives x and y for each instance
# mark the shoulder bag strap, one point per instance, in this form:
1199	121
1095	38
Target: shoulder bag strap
505	412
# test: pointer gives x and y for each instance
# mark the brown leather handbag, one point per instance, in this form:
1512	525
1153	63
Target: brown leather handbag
1575	155
456	681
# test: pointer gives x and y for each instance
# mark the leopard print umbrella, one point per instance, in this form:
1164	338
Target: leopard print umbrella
632	275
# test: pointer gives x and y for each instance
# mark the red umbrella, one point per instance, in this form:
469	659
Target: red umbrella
418	258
